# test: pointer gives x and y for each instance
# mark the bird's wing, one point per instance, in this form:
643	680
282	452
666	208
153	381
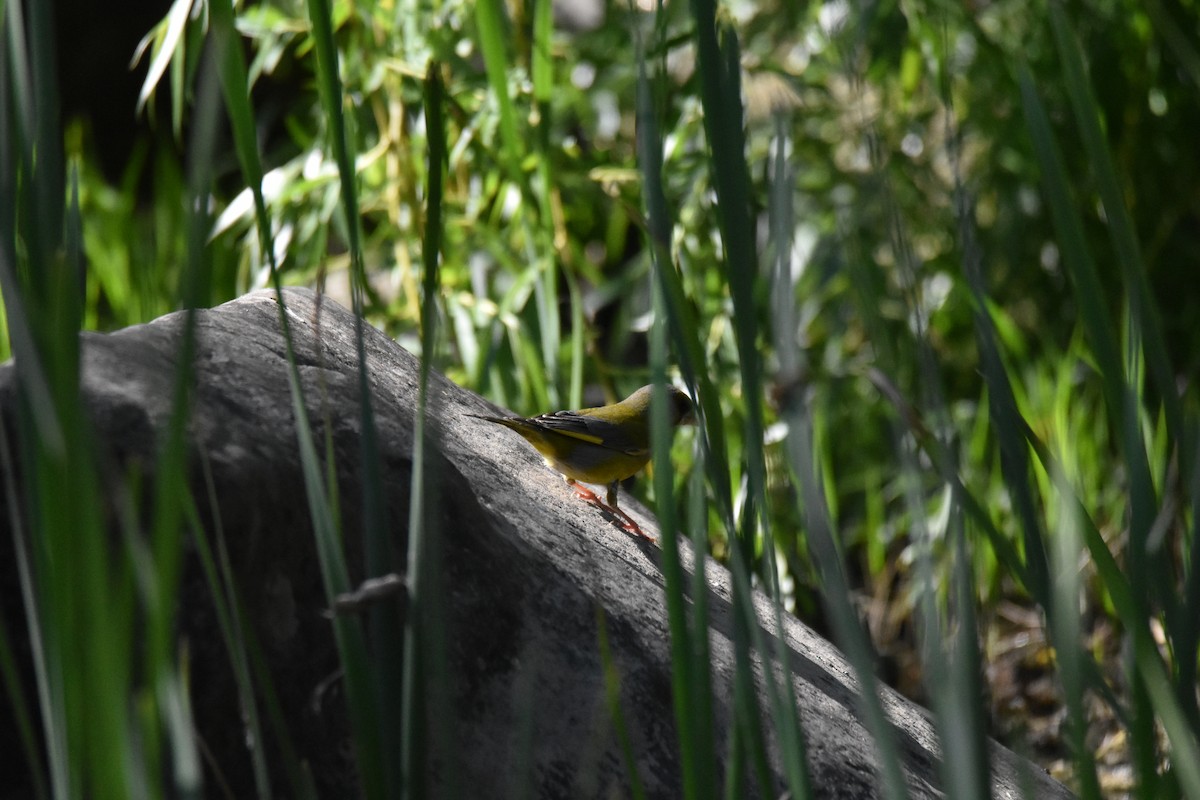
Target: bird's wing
588	429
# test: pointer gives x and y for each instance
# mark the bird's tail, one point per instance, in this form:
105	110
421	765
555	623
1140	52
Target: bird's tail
509	422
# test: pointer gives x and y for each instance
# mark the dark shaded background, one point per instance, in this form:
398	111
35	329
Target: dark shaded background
94	44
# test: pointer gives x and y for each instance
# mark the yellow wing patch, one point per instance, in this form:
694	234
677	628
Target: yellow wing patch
580	435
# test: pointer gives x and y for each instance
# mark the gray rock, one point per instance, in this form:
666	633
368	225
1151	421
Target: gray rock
525	567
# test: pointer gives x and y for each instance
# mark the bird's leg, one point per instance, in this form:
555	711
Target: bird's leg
626	522
629	523
584	492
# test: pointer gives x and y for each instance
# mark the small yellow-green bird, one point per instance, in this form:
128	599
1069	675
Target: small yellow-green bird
603	445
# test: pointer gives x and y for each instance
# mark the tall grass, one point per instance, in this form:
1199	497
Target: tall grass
123	724
836	438
426	700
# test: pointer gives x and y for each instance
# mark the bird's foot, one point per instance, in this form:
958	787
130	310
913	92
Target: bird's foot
586	493
628	523
623	520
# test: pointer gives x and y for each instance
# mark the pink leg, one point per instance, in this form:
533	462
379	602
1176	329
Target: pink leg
625	522
584	492
630	524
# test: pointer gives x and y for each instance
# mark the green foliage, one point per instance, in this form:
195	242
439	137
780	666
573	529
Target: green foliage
88	593
919	262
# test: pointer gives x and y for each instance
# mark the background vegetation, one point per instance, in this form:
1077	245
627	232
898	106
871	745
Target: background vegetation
935	295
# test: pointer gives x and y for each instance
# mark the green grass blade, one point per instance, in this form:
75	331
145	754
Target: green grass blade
12	685
11	682
1066	633
1115	583
681	315
577	345
78	609
1120	226
1188	631
746	713
164	42
221	585
848	630
541	56
1119	397
542	72
23	309
236	84
735	766
790	360
378	557
1004	414
1182	47
949	649
38	96
426	697
1122	405
171	493
494	30
384	621
348	633
493	26
967	756
719	72
1182	624
379	561
691	680
701	673
1185	750
683	329
612	693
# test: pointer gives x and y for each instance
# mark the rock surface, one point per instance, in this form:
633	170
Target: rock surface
526	570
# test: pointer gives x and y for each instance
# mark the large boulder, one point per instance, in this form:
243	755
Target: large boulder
526	570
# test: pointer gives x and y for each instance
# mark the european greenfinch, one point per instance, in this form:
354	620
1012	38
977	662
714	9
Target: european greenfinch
603	445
